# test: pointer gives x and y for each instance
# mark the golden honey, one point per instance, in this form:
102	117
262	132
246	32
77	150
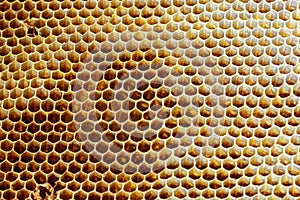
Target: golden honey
148	99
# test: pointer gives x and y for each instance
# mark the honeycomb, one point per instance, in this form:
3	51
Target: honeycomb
149	99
